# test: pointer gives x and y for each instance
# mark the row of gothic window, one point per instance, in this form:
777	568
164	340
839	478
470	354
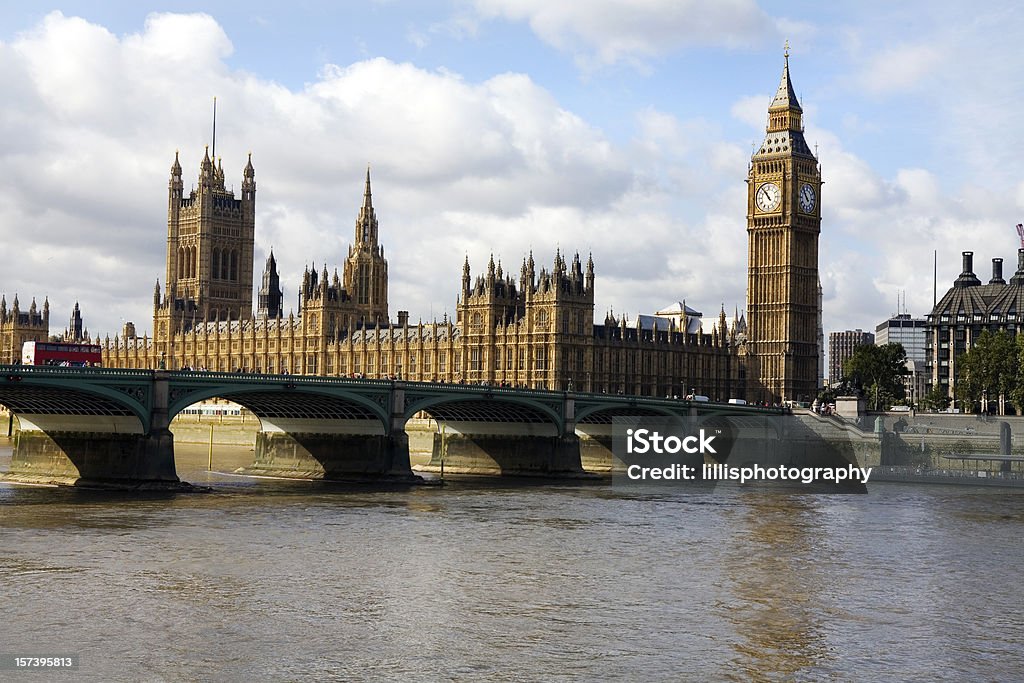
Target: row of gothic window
542	317
224	262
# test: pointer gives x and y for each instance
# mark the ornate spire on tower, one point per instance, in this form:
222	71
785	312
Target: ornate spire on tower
366	224
270	295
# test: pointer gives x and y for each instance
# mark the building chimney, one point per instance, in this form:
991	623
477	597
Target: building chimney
967	277
1018	277
997	272
403	318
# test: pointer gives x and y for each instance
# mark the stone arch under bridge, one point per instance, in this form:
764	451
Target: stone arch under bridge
497	431
311	427
87	426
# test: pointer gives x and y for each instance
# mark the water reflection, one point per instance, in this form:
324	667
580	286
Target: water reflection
777	589
292	580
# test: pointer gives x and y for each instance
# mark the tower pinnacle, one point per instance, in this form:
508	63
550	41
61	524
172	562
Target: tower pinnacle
367	195
785	97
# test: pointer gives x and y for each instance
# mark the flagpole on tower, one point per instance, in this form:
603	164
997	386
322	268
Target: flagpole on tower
214	129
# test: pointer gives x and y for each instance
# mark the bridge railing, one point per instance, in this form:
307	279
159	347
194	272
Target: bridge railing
59	371
321	380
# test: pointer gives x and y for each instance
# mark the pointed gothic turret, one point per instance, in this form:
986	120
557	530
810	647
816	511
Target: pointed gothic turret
248	178
365	273
270	295
367	193
722	326
785	98
206	167
366	223
75	328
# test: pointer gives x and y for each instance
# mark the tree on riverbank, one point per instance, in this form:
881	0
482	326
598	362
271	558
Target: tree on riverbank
877	373
991	371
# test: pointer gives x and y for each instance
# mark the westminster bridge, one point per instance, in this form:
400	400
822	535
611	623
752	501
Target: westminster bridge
110	427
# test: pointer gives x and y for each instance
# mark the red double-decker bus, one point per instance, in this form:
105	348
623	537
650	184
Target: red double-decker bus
60	353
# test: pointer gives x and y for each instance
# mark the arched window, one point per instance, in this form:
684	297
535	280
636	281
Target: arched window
181	263
216	263
234	266
542	316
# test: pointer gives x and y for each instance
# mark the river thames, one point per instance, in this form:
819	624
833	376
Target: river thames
510	581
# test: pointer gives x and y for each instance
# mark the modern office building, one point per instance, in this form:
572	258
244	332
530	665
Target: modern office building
906	330
841	346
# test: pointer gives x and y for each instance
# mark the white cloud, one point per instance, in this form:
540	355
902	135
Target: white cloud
603	32
458	166
901	67
752	110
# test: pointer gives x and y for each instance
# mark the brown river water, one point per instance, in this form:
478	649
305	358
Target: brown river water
509	581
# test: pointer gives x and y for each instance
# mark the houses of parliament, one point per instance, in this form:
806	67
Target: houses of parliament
531	328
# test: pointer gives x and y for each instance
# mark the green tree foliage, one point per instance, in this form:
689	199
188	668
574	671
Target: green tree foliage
936	399
877	372
991	367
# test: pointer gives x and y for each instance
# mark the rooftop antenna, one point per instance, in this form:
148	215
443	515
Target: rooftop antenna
215	127
935	278
1020	233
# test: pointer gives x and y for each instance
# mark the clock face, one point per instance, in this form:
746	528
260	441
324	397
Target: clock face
807	198
768	197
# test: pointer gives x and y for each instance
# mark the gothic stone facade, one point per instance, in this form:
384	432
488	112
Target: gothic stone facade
536	330
18	326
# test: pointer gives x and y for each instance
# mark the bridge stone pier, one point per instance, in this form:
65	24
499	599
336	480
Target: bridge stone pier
112	432
107	427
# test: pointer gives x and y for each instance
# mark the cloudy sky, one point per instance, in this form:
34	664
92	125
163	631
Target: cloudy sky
617	127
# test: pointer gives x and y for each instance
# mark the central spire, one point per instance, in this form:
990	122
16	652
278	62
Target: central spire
366	224
367	195
785	97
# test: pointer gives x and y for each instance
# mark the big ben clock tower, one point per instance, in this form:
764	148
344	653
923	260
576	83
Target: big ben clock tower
783	223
